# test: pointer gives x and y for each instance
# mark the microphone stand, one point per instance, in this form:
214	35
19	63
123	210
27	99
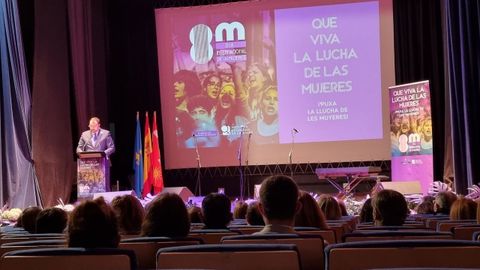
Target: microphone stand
290	154
240	168
198	185
246	164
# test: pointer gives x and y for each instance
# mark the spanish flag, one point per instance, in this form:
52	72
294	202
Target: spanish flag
147	153
156	163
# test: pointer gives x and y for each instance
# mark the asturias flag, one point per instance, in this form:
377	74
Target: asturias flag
156	164
138	159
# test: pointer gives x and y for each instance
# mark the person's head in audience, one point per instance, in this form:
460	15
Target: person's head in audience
51	220
129	212
343	207
330	207
29	218
195	214
443	202
366	213
463	208
389	208
254	217
93	224
425	207
310	214
240	210
216	211
166	216
279	203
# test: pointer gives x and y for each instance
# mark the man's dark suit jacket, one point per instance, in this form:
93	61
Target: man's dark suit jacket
103	143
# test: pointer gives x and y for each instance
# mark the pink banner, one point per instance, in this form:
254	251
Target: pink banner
411	133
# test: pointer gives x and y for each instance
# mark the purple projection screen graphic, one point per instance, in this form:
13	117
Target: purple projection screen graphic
323	72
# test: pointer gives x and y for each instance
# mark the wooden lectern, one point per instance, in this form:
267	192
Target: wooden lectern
93	174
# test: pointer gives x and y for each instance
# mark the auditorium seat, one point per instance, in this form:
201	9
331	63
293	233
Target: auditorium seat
230	256
310	247
411	224
69	258
211	236
328	235
447	225
145	248
30	237
402	253
394	235
390	228
32	245
465	232
245	229
431	222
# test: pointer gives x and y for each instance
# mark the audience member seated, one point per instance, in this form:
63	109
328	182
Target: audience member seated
195	214
330	207
443	201
278	204
425	207
93	224
216	211
254	217
166	216
310	214
343	207
29	217
463	208
366	213
240	210
389	208
51	220
130	214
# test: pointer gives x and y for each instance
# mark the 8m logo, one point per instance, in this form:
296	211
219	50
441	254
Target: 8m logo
201	39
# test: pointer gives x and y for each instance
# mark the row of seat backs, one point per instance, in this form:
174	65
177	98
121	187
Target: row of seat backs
69	258
402	253
219	256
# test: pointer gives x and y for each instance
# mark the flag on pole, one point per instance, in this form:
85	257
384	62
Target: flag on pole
138	159
147	153
156	163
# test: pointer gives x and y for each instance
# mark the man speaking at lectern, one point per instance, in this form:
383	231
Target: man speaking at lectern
96	139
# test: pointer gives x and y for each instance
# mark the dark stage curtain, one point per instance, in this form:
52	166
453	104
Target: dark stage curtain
19	186
463	50
51	123
86	20
419	56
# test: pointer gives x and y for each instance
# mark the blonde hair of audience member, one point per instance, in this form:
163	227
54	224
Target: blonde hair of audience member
463	208
130	214
330	207
254	217
310	214
389	208
166	216
93	224
240	210
443	202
